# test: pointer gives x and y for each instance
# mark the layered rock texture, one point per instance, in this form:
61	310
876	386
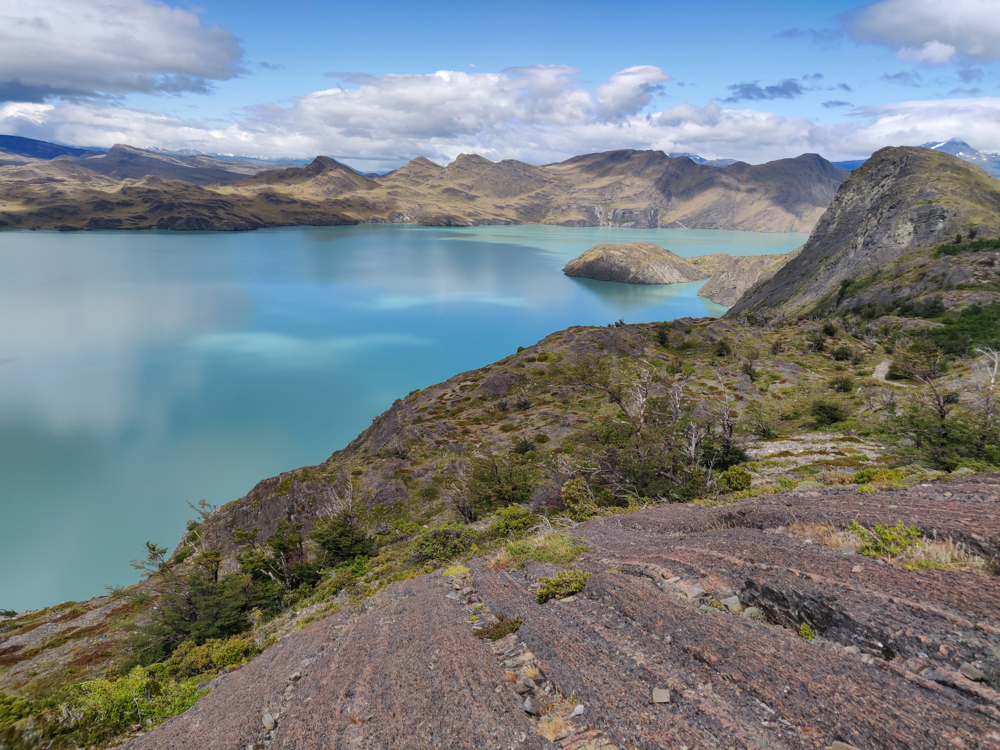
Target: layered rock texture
872	244
658	650
617	188
731	276
638	263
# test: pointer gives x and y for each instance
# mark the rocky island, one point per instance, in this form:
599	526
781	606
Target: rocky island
636	263
644	263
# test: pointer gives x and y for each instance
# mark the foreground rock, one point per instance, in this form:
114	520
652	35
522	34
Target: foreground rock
638	263
890	666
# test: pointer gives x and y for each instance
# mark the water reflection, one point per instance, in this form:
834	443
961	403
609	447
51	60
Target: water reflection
139	370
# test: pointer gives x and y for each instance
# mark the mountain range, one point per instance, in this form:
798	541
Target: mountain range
130	188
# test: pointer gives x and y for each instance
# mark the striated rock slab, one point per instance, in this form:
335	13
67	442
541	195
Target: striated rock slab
662	613
637	263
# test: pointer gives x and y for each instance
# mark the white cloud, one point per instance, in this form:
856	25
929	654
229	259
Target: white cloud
627	91
931	32
93	47
536	114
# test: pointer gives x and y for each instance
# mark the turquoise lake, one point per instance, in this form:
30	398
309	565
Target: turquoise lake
140	370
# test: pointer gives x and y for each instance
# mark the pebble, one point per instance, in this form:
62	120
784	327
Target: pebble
856	569
732	603
852	650
973	673
578	711
268	721
660	695
533	706
842	746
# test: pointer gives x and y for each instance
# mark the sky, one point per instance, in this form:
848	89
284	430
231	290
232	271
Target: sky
377	84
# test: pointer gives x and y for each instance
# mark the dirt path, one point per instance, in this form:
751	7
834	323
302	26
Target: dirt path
882	369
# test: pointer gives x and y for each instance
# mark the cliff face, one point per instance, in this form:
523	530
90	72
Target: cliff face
639	263
900	201
732	276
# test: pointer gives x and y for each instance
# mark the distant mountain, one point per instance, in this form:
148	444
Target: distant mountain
961	149
135	188
127	162
15	144
702	160
874	243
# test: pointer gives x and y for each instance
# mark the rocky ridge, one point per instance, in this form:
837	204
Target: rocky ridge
874	242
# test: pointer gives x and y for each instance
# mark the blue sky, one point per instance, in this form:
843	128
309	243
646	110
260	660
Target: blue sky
376	84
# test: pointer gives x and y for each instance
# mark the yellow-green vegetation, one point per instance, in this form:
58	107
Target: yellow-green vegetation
885	541
558	548
455	570
502	627
562	584
95	713
806	631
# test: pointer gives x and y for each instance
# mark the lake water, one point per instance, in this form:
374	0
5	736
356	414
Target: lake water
140	370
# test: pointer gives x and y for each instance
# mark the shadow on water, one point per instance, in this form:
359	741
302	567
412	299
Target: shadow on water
642	296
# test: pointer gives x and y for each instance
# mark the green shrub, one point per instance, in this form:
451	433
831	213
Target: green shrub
445	542
828	412
133	699
735	479
806	631
790	414
342	538
502	627
873	475
829	329
562	584
843	353
554	548
885	541
663	334
842	384
723	348
511	520
577	500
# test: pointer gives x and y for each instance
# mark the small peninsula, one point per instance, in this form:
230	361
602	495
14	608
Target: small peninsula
637	263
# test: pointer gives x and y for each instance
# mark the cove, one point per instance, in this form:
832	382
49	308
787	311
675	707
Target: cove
140	370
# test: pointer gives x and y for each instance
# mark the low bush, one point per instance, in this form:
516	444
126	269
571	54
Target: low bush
828	412
830	329
885	541
875	475
843	353
806	631
511	520
562	584
560	549
444	543
735	479
842	384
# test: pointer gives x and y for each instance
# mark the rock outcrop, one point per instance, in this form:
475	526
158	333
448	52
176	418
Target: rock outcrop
732	276
638	263
902	200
